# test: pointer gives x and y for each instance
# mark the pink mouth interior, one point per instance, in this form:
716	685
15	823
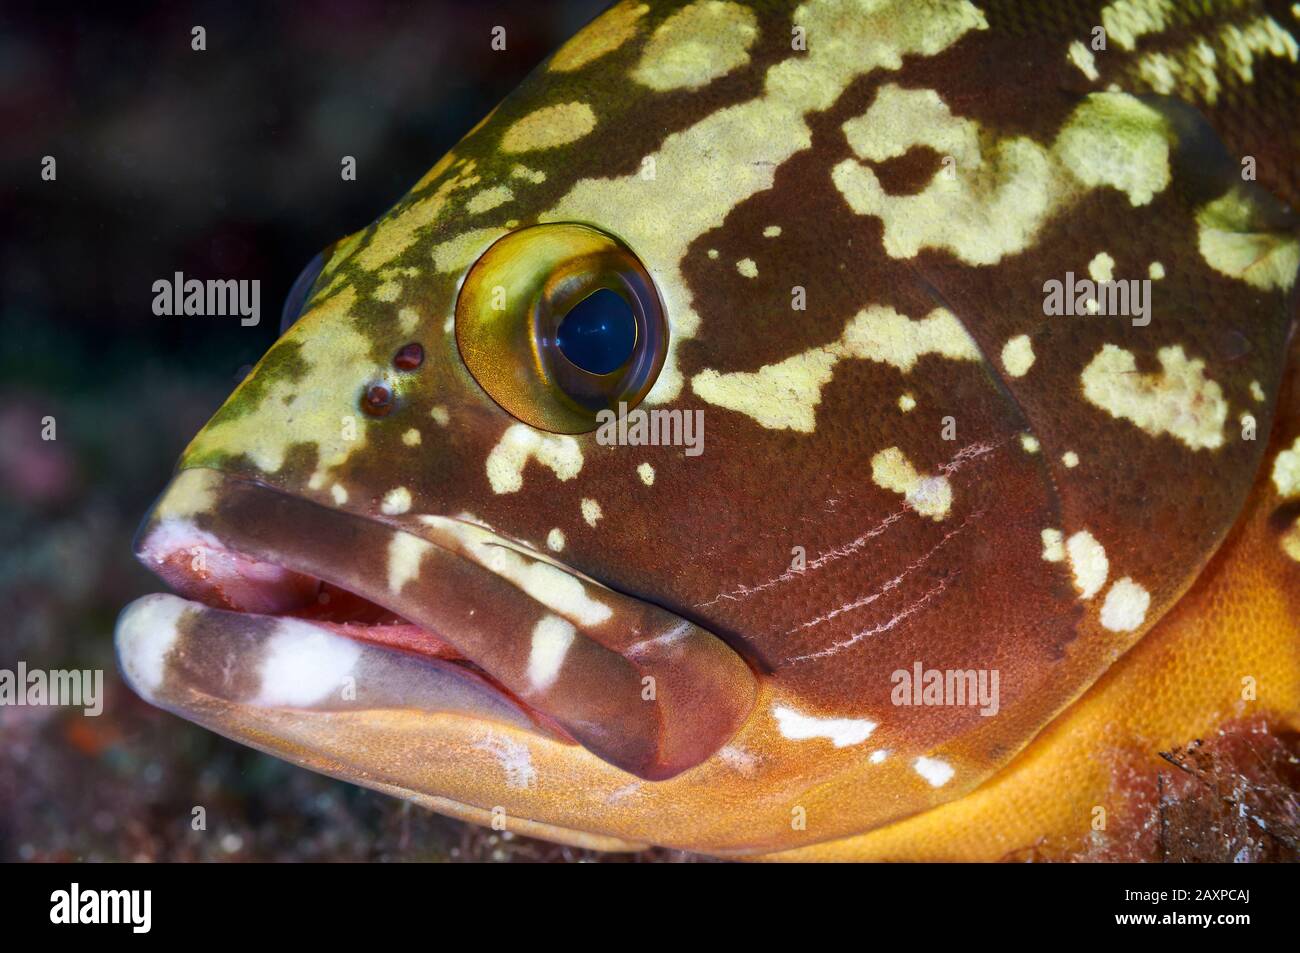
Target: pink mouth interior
349	614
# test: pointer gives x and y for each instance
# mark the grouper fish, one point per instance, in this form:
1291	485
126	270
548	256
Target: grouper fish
852	429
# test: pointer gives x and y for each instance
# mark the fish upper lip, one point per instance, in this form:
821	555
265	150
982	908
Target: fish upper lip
571	652
267	602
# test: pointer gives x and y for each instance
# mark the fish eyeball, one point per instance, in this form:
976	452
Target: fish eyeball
560	322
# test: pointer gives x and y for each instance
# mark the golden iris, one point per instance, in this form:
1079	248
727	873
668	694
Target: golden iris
512	332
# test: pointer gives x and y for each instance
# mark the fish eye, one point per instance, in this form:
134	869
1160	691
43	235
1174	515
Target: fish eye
558	322
300	292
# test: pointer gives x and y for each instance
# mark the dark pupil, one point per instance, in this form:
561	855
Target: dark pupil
598	333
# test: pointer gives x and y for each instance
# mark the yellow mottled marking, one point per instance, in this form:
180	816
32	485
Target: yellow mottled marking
992	206
1070	459
696	45
1125	606
707	169
439	167
1286	471
341	252
388	292
549	127
1018	355
396	233
906	403
900	119
528	175
411	437
1117	140
785	395
552	637
882	334
1180	400
555	540
464	249
1102	267
1082	57
591	511
646	473
1088	562
1192	72
780	396
554	588
603	36
396	502
488	199
1230	245
505	464
992	198
191	493
548	583
1242	44
1127	20
930	496
1290	541
1200	69
1053	546
404	554
747	267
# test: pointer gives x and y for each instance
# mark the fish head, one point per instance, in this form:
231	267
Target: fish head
630	477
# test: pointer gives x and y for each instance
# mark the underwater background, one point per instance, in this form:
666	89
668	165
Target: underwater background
218	164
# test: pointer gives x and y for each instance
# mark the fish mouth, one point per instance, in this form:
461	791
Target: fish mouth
288	609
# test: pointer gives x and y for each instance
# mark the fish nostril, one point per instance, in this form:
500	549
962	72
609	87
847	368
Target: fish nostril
409	357
377	401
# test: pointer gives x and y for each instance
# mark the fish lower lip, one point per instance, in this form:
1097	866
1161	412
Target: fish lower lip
636	685
187	657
